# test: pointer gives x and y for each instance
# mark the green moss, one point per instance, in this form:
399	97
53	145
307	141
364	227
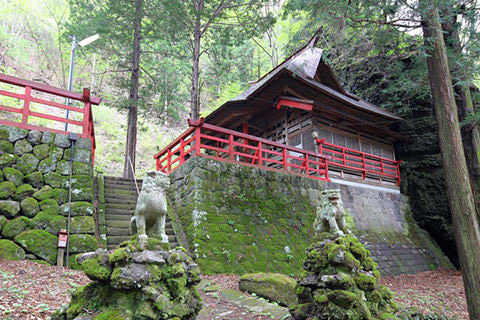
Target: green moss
39	242
22	192
112	315
5	147
22	146
82	224
7	160
273	286
10	251
29	207
47	165
50	222
9	208
7	188
35	179
54	179
95	270
365	282
79	208
3	221
120	255
15	227
41	151
13	175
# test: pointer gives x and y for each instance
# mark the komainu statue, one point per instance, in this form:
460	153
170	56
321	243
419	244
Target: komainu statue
151	209
330	214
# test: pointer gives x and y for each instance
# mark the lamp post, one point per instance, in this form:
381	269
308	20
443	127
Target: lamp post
82	43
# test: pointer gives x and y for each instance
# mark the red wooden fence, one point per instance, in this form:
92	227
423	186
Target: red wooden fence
209	141
360	162
85	124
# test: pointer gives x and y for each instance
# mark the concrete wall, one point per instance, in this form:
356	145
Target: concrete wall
242	219
34	182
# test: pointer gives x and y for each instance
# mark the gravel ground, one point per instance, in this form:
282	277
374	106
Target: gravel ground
29	290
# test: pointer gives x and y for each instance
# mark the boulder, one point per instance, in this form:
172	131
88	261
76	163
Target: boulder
272	286
13	175
5	147
80	155
7	160
50	222
44	193
35	179
79	208
9	208
155	291
22	192
39	242
82	243
14	227
47	165
54	179
41	151
15	133
82	224
22	147
27	163
29	207
34	137
62	141
10	251
7	189
48	137
3	221
50	206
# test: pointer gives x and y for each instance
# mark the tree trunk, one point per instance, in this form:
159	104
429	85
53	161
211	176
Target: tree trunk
465	220
197	34
129	167
470	133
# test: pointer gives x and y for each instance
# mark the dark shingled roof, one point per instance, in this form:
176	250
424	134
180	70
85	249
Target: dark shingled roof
304	65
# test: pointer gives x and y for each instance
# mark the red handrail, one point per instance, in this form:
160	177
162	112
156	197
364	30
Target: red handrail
86	124
365	163
209	141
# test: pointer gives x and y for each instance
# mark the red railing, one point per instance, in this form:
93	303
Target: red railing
85	125
360	162
209	141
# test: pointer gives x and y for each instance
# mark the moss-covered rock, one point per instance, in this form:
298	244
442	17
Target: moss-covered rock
27	163
64	168
15	134
7	160
14	227
9	208
44	193
82	224
50	222
22	147
29	207
60	195
35	179
10	251
22	192
7	189
340	282
39	242
13	175
34	137
82	243
54	179
80	168
273	286
47	165
79	181
5	147
82	194
48	137
79	208
41	151
49	206
80	155
159	287
3	221
2	178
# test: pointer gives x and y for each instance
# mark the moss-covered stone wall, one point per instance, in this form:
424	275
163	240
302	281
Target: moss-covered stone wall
34	182
238	219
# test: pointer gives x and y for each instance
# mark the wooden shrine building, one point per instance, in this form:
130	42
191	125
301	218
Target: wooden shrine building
272	125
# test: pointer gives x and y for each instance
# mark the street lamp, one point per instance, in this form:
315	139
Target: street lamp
82	43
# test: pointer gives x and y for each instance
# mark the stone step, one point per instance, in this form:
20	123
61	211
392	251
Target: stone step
121	186
110	179
117	224
121	200
112	231
121	206
127	212
120	192
118	217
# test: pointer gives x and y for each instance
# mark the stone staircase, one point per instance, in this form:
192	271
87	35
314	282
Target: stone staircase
120	202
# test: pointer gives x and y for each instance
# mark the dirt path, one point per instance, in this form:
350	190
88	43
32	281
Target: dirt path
32	291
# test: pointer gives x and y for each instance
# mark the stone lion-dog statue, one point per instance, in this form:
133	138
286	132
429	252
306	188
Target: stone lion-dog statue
330	214
151	209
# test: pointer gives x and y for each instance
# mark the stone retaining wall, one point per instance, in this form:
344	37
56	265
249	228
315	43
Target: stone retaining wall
240	219
34	183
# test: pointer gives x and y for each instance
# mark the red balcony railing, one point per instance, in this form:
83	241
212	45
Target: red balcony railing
84	126
368	165
209	141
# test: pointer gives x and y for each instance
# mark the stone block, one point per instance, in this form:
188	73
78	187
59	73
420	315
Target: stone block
27	163
34	137
13	175
48	137
80	155
79	208
14	227
44	193
7	189
10	251
82	243
54	179
47	165
64	168
62	141
41	151
5	147
7	160
50	222
15	134
39	242
22	147
272	286
82	224
50	206
22	192
35	179
29	207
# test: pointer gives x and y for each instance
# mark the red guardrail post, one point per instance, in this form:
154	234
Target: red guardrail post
364	173
182	151
26	104
260	154
197	141
230	147
285	163
86	113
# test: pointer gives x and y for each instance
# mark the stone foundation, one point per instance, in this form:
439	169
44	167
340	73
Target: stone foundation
34	182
